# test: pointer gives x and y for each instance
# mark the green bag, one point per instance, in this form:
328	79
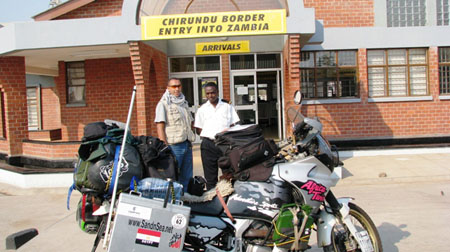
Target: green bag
80	176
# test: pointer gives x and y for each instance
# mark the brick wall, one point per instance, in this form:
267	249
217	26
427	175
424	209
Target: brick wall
226	86
51	113
343	13
201	6
291	82
385	119
99	8
151	75
51	151
109	85
12	84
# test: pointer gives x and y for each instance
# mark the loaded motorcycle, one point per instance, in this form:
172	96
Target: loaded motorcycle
280	213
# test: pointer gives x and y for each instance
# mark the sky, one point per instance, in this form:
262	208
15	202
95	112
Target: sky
21	10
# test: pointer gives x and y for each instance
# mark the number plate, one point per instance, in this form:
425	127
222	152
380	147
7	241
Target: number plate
364	241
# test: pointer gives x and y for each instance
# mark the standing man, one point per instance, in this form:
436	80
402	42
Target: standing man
213	117
174	127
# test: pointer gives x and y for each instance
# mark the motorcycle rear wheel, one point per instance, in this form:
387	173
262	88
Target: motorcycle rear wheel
341	238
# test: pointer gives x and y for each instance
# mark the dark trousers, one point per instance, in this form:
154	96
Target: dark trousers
210	154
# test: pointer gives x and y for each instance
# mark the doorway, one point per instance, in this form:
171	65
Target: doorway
255	95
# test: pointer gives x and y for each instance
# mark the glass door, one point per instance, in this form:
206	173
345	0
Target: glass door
202	79
192	88
244	97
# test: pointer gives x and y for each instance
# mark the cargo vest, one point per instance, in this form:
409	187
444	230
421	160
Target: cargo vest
178	124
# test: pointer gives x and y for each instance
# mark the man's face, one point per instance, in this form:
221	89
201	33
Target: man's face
174	87
211	94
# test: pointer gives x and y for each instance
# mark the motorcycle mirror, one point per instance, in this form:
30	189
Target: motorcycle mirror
297	97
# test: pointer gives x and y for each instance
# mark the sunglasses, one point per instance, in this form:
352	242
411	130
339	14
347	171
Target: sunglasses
175	86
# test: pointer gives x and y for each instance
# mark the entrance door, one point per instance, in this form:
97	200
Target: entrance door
255	97
243	96
192	88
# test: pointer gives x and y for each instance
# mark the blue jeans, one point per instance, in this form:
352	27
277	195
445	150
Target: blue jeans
183	153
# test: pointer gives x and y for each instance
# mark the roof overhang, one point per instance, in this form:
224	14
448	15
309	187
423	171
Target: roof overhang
44	43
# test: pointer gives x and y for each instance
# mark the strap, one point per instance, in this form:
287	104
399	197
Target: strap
83	208
113	175
133	183
69	193
225	207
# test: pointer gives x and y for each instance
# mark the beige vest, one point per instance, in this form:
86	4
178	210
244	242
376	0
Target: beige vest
178	125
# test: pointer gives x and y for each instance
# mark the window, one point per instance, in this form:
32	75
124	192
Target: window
2	115
76	83
202	63
329	74
34	108
397	72
444	70
401	13
247	61
443	9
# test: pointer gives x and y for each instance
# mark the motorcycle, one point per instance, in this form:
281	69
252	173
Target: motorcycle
279	214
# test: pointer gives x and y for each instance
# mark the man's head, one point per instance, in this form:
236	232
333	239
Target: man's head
174	87
212	92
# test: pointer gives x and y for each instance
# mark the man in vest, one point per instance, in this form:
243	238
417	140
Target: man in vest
174	127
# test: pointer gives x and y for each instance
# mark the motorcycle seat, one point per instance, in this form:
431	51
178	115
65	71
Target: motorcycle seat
212	207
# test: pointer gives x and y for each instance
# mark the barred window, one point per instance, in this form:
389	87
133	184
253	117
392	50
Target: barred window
76	83
397	72
444	70
34	107
443	10
329	74
402	13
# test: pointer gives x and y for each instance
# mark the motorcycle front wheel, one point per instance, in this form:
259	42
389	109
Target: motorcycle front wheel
342	239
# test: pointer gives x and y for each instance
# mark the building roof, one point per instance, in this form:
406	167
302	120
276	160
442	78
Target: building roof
61	9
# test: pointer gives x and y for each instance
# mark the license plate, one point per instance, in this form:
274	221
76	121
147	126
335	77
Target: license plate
364	240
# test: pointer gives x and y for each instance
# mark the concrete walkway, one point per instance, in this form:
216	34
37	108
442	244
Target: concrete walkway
45	208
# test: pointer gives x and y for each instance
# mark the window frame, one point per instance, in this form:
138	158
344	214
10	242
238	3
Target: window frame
440	64
3	134
69	85
441	12
337	68
392	17
38	100
408	66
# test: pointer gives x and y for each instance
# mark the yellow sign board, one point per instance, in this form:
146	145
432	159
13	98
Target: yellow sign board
240	23
222	47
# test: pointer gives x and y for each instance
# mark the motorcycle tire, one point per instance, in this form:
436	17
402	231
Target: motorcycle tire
340	235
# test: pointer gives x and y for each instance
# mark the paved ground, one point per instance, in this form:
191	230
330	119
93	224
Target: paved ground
45	208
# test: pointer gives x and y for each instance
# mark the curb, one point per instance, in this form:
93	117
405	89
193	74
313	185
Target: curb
16	240
390	152
394	180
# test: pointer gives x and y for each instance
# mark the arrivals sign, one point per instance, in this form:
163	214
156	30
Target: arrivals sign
222	47
240	23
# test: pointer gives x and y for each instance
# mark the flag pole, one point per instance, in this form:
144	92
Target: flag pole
119	163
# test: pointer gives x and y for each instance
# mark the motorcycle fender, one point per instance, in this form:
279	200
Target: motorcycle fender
327	221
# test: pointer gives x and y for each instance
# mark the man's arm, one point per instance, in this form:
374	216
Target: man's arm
161	131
